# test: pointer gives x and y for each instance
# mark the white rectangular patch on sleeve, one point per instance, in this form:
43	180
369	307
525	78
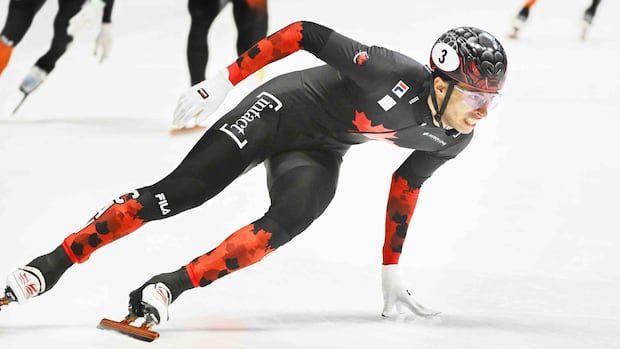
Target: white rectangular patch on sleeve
387	102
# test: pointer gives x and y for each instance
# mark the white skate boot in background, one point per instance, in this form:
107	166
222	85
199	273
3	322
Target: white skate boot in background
22	284
33	80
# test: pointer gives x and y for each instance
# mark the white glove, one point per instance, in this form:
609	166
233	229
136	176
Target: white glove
103	43
201	100
396	297
90	14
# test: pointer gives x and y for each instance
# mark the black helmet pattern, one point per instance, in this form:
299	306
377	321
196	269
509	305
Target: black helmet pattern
470	56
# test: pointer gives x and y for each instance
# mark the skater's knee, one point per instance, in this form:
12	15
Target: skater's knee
61	39
280	233
296	212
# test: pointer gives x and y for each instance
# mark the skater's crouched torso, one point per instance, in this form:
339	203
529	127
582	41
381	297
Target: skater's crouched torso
322	108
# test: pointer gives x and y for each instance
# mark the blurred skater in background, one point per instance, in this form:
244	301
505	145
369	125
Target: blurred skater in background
521	19
72	17
251	21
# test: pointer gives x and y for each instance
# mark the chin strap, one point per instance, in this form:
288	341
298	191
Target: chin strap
444	104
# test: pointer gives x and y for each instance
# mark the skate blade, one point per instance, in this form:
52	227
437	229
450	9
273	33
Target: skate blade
142	333
12	103
186	130
4	301
21	102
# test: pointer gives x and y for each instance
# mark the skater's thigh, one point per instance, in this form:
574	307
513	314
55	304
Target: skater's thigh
301	186
212	164
238	141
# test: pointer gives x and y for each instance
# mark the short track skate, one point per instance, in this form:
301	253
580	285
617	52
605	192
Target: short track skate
126	327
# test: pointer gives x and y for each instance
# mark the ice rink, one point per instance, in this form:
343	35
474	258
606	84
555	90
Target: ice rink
516	241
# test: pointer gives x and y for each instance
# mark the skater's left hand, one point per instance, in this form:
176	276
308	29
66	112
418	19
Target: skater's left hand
201	100
103	43
396	297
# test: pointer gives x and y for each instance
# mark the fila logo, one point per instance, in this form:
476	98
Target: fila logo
203	93
163	203
400	89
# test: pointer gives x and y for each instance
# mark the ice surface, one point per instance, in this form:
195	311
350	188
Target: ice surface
515	241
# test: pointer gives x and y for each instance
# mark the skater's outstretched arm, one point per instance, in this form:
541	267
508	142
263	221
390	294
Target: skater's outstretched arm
340	52
403	197
352	59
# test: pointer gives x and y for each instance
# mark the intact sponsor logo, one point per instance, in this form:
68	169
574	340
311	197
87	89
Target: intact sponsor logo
236	131
163	203
360	58
414	99
400	89
434	138
387	102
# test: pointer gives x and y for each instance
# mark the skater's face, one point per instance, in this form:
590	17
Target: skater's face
465	107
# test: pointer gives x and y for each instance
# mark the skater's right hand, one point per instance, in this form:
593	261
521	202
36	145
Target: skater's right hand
201	100
396	297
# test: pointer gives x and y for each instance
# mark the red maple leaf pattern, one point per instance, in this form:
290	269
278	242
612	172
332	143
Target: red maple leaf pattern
365	127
